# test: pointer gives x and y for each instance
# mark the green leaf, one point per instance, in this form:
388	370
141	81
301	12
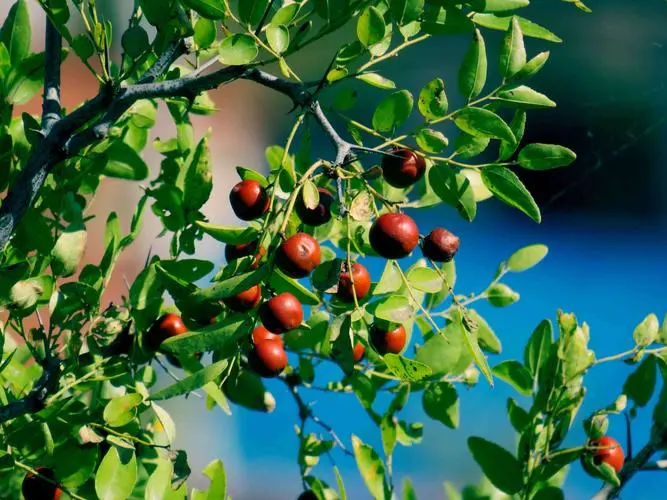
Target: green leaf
210	338
135	41
377	80
481	122
640	384
198	178
82	46
498	465
310	195
533	66
205	33
647	331
519	417
431	141
229	234
78	466
454	189
408	370
526	258
395	309
278	37
501	6
122	410
192	382
506	186
210	9
425	279
549	493
69	250
432	102
392	111
123	162
371	468
388	431
16	33
441	403
487	339
502	23
520	96
237	50
116	475
472	73
518	127
545	156
252	11
408	490
516	375
282	283
332	10
370	26
159	487
512	51
443	352
537	349
405	11
341	485
390	281
474	350
500	295
215	471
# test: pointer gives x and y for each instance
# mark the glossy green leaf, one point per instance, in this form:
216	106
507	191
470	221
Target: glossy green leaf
278	37
536	352
377	80
210	9
486	337
526	258
390	281
370	467
533	66
237	50
501	6
69	250
502	23
282	283
431	141
16	33
506	186
515	374
518	128
392	111
432	102
252	11
640	384
545	156
520	96
229	234
370	26
454	189
425	279
205	33
441	403
500	295
395	309
123	162
192	382
122	410
498	465
408	370
512	51
116	475
481	122
198	178
472	73
405	11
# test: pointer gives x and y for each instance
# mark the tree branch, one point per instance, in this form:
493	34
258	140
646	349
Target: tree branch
637	464
51	102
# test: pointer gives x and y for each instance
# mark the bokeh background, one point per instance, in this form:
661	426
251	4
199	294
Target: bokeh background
604	222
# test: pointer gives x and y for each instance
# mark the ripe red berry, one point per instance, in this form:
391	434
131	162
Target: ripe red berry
268	358
36	488
281	313
245	300
388	341
299	255
167	326
440	245
394	235
260	334
362	282
607	450
233	252
319	215
402	167
359	351
249	200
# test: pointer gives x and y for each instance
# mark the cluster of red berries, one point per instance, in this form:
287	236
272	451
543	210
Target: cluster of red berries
392	236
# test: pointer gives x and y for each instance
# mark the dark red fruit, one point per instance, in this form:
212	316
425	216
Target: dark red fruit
359	351
281	313
319	215
440	245
233	252
36	488
308	495
249	200
607	450
388	341
402	167
268	358
299	255
260	334
394	236
245	300
362	282
167	326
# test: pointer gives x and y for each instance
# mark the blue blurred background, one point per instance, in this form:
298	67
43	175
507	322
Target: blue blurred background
604	222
